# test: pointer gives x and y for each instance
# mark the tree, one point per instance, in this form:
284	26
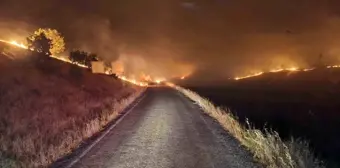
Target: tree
40	44
78	56
82	57
57	41
89	58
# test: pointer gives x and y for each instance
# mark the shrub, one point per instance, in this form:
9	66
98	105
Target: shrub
57	43
83	58
40	43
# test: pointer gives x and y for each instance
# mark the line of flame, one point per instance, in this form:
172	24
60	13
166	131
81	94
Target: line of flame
65	59
294	69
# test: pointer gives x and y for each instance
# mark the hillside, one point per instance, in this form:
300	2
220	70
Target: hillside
48	107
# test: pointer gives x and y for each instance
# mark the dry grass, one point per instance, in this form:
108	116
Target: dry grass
267	147
47	111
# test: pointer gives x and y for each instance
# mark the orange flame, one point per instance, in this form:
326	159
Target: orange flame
292	69
249	76
133	81
15	43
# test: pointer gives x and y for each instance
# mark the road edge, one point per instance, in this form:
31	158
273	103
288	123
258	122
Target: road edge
72	160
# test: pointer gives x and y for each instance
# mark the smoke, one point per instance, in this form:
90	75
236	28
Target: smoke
240	37
208	39
94	34
137	64
13	29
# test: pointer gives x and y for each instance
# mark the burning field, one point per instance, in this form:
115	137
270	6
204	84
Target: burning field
141	81
122	68
299	103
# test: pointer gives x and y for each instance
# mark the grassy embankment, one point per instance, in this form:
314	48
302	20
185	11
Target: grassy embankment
267	147
48	107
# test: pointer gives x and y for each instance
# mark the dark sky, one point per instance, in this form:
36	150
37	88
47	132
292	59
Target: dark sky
212	38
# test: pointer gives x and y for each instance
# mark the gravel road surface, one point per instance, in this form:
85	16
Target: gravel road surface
165	130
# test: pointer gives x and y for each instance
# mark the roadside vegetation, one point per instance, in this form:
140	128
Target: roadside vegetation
49	107
50	38
83	58
267	147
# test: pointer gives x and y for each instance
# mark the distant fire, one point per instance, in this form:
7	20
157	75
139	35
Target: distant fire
148	78
334	66
15	43
184	76
308	69
23	46
249	76
134	81
293	69
159	80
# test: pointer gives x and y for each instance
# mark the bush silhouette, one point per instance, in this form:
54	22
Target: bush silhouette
82	57
57	43
40	44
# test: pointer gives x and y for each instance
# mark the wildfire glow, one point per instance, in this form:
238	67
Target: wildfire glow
146	77
292	69
21	45
184	76
249	76
15	43
134	81
308	69
334	66
65	59
159	80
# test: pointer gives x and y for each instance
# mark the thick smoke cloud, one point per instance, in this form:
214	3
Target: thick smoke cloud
212	39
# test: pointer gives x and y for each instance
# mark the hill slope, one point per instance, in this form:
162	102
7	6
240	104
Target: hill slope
47	107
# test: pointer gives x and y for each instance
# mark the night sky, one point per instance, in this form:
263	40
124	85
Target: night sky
211	38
